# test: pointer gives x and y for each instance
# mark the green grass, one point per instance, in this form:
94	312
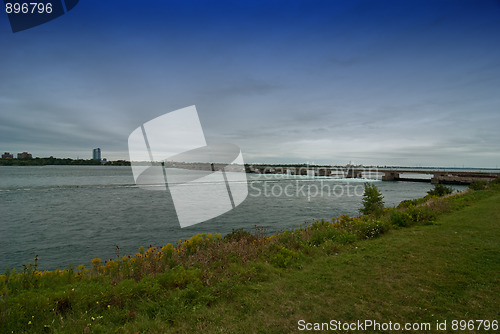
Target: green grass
447	271
444	268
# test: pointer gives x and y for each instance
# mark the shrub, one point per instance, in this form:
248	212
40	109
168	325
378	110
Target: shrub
321	231
347	223
421	214
179	277
372	200
406	203
400	218
478	185
344	237
414	202
370	229
285	258
291	239
440	190
239	234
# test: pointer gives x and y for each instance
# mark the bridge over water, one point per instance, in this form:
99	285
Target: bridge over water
444	176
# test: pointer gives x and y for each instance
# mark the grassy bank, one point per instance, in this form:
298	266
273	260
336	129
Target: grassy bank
445	266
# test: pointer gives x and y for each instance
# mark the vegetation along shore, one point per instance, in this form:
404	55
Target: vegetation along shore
438	260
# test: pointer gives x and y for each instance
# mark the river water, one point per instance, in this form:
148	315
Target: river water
68	215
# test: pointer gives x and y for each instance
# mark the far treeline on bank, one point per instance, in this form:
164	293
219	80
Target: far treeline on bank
58	161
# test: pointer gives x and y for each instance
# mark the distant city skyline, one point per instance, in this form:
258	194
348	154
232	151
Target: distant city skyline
400	83
27	155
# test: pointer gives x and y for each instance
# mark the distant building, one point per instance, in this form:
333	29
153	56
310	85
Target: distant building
7	155
24	155
96	154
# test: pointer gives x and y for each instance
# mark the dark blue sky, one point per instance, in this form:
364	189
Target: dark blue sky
373	82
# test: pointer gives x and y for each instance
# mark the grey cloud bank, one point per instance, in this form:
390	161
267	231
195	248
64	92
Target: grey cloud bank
363	82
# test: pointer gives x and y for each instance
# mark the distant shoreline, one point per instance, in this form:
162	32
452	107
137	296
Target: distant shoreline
51	161
48	161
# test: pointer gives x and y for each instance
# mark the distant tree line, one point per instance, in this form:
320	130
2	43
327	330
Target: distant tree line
58	161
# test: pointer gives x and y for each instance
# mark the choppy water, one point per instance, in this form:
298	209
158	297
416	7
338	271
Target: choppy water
70	214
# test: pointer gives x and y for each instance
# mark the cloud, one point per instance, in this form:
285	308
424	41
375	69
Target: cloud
327	82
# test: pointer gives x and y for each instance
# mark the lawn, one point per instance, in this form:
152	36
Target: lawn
442	272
